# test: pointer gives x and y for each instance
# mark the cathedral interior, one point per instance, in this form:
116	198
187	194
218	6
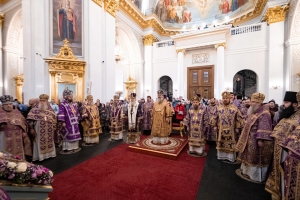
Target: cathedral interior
150	99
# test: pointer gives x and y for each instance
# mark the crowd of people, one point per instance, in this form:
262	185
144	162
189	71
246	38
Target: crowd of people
263	137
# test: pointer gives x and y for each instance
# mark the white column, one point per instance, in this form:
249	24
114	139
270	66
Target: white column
219	86
93	14
109	61
274	87
180	65
149	83
1	60
36	35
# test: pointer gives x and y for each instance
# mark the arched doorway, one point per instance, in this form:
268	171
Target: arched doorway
245	83
166	84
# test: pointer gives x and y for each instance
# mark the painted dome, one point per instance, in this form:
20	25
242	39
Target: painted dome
193	13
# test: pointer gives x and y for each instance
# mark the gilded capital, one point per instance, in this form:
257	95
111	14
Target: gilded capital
111	6
149	40
98	2
1	19
220	45
276	14
180	50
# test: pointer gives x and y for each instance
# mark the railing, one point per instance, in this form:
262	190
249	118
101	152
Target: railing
164	44
246	29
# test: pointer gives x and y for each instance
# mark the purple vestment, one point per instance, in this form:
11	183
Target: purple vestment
147	110
69	114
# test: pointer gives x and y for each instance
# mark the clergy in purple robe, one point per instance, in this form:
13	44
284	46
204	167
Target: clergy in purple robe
288	121
292	164
228	121
255	143
69	117
116	121
147	110
133	116
13	129
210	112
195	123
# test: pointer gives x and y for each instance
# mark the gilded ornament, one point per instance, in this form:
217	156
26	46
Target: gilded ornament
220	45
98	2
259	7
149	40
111	6
180	50
276	14
1	19
66	68
131	86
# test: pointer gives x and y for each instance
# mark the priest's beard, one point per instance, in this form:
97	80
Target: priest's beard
115	104
252	109
196	107
42	106
247	106
212	104
160	100
287	112
226	103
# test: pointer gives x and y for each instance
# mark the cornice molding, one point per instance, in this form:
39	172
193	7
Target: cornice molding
292	41
259	8
276	14
143	21
98	2
111	6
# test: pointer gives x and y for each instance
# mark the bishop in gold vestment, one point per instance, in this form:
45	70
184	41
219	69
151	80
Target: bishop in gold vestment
289	120
91	124
228	120
161	119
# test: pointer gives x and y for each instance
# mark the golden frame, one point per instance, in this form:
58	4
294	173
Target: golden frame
66	68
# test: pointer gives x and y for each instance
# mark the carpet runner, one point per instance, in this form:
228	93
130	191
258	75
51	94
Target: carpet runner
122	174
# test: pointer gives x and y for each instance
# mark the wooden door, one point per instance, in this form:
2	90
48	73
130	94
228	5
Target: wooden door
201	81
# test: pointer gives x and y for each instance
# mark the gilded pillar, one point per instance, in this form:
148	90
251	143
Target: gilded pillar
19	81
53	84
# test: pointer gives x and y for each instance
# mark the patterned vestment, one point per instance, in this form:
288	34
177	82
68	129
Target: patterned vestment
227	119
292	165
44	123
196	122
91	125
12	127
210	112
116	121
258	127
160	127
147	110
282	130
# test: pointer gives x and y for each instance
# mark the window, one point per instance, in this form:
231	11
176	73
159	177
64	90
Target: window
195	77
205	75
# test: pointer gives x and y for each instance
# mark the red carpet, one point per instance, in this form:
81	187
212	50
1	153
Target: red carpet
122	174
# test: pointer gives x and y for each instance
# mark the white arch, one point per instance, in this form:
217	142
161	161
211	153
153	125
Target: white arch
13	51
